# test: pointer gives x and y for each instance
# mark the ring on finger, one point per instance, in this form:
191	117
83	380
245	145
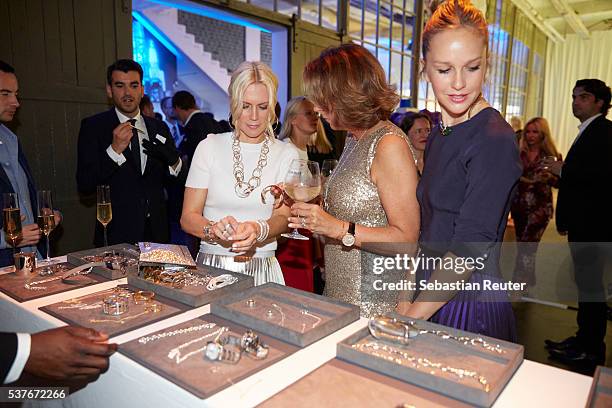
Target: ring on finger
303	222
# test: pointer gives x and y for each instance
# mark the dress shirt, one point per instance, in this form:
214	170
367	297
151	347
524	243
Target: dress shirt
140	124
177	135
584	125
9	158
24	342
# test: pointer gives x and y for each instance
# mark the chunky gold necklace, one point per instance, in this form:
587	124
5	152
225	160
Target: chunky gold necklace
244	189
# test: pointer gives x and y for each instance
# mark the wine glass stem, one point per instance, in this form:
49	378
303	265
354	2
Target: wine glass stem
105	238
48	251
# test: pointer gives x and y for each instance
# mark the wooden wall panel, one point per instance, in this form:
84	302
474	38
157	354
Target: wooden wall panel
60	49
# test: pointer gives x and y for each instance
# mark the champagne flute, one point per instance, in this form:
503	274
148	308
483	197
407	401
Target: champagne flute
12	219
302	183
46	219
104	211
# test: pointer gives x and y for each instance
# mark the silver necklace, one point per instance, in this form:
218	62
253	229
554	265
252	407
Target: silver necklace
153	337
244	189
176	354
396	356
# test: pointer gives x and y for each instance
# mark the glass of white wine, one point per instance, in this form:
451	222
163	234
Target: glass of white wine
11	219
104	211
45	218
302	183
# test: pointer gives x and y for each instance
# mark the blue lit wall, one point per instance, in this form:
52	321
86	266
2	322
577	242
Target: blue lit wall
158	63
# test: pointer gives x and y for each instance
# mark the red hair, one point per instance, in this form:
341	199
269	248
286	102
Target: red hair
349	82
454	14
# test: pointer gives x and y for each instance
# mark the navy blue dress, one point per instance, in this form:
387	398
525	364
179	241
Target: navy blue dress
465	195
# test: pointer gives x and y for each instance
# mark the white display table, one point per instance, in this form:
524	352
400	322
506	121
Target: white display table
128	384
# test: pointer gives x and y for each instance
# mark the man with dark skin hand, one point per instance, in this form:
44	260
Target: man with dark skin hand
65	353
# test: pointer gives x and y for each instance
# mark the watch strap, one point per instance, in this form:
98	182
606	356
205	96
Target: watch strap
351	228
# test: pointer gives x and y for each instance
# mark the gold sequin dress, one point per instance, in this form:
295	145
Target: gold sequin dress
350	195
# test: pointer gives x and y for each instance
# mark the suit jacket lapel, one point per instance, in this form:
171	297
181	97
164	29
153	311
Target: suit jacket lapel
582	140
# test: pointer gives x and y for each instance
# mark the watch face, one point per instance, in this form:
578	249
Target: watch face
348	240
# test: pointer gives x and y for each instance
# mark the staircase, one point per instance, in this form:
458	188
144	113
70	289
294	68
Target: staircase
166	20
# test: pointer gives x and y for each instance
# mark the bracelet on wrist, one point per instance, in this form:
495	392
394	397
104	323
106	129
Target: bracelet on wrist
264	230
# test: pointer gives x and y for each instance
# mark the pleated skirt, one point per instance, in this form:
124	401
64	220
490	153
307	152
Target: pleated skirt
484	312
263	270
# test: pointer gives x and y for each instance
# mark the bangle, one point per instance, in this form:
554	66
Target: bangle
264	230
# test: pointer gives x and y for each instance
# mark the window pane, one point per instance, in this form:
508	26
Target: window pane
310	11
330	14
407	78
287	7
354	19
396	71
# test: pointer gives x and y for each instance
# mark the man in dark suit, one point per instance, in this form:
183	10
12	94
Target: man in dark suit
583	212
65	353
196	124
15	174
134	155
176	129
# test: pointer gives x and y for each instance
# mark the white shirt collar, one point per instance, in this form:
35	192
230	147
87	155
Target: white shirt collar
191	115
138	117
586	123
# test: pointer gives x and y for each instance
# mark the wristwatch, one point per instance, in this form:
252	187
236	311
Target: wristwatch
348	240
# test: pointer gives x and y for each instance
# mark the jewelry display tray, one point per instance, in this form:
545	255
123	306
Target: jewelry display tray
334	314
496	368
81	317
196	374
127	250
338	383
194	296
13	285
600	395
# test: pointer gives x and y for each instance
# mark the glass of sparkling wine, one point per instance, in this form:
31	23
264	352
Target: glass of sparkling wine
104	210
302	183
11	219
45	218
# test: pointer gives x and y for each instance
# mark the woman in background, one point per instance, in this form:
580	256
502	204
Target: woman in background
532	208
417	126
302	128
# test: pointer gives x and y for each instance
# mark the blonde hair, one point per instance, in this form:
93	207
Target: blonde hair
318	140
546	144
454	14
249	73
351	71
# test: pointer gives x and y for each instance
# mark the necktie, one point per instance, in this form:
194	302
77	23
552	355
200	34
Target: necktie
135	147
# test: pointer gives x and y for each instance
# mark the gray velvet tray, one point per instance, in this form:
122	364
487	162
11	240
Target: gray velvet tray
495	367
128	250
341	384
81	317
194	295
278	312
600	395
195	374
13	285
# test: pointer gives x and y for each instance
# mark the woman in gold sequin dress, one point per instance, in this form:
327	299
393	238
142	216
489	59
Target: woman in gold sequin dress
371	195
